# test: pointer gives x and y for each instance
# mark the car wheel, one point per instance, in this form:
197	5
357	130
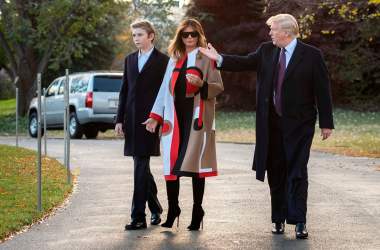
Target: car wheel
33	125
75	129
91	133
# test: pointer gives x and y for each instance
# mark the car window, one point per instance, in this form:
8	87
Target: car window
52	88
79	84
107	83
61	87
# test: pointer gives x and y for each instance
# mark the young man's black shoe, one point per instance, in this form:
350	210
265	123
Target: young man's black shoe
136	225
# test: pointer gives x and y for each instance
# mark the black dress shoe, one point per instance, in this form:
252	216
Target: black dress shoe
301	231
155	219
136	225
278	228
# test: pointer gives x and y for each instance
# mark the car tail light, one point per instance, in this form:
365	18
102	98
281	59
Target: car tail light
89	99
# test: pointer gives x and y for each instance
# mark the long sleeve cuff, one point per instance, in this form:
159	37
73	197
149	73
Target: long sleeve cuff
219	62
156	117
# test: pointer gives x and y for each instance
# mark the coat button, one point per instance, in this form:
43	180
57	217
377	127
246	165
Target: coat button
266	100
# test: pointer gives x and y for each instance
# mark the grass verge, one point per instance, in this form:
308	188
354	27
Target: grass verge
18	188
356	133
8	119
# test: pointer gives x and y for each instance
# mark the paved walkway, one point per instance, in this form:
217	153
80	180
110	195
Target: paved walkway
343	211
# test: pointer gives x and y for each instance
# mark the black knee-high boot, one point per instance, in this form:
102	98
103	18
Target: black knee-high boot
198	213
172	189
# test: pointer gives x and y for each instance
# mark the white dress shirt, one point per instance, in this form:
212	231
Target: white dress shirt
143	58
289	49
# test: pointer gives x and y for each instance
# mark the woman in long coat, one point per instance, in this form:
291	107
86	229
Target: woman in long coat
185	107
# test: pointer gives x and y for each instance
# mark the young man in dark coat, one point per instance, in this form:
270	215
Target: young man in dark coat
292	88
143	74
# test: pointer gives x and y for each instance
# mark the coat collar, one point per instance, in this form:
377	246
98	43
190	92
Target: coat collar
295	59
275	55
151	59
134	64
147	65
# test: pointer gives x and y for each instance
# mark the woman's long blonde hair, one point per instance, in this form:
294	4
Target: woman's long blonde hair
176	47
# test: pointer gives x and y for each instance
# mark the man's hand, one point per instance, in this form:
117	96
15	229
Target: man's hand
119	129
325	133
150	124
194	80
210	52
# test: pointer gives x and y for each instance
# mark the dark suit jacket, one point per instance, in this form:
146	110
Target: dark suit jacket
137	96
305	91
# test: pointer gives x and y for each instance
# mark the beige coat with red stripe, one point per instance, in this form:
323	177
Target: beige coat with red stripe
200	156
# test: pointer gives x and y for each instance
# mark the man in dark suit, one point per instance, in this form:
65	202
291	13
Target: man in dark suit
143	74
292	87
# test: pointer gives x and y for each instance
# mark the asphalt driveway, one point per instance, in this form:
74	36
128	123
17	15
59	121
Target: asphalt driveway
343	210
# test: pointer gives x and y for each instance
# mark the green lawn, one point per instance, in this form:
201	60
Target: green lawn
235	126
356	133
18	188
7	107
8	119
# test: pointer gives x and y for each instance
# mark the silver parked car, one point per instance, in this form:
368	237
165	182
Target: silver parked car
93	104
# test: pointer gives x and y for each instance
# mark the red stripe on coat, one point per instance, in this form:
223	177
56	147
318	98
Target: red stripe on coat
175	72
200	118
175	143
156	117
170	177
208	174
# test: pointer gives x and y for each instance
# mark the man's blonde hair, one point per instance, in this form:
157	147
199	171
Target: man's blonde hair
286	22
145	25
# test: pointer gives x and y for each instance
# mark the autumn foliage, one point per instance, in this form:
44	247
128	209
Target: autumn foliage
347	33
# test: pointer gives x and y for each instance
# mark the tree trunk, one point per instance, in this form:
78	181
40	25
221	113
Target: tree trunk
27	74
25	95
